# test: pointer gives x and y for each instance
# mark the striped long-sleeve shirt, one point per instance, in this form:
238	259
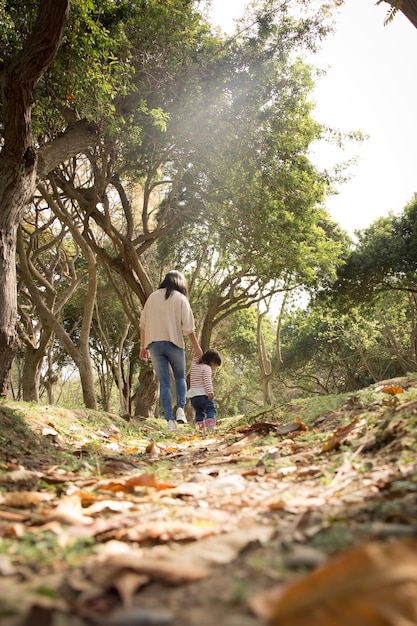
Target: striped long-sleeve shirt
201	382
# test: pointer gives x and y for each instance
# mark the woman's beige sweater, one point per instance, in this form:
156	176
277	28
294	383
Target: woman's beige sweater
167	320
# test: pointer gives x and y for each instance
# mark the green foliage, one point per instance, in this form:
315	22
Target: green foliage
384	258
91	70
362	328
17	20
311	352
327	349
237	379
251	199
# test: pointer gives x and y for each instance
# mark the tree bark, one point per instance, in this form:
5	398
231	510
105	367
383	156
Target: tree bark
408	8
147	396
18	159
267	370
31	374
264	362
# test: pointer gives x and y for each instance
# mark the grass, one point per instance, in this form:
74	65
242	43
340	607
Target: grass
45	547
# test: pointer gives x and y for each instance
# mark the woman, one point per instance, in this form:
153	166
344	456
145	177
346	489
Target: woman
166	318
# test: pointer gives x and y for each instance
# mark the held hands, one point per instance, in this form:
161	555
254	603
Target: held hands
196	346
144	354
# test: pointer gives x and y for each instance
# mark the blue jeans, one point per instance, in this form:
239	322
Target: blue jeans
163	355
203	408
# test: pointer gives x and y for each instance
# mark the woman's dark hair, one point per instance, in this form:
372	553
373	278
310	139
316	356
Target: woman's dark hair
211	357
174	281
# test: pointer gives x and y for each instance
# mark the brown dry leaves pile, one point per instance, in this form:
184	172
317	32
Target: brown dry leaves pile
225	494
371	585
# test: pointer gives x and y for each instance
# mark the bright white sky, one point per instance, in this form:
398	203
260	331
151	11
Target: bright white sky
370	86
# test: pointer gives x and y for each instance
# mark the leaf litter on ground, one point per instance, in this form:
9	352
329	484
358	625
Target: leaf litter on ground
201	531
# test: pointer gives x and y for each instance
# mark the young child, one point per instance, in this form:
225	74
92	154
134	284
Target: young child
201	391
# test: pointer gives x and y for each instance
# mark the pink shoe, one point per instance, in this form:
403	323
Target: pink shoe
210	423
200	426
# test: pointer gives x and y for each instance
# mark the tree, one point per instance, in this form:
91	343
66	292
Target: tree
407	8
140	158
316	357
328	349
375	295
261	218
49	308
22	160
363	327
47	275
384	259
213	133
181	141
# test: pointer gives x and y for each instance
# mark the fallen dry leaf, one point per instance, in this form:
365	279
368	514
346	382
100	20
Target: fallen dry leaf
181	564
22	475
127	485
371	585
69	511
165	530
241	444
22	499
261	428
172	572
227	485
11	516
49	432
140	615
340	435
292	428
222	549
150	448
119	506
392	390
146	480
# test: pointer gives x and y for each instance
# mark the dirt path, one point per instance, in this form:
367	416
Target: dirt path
99	526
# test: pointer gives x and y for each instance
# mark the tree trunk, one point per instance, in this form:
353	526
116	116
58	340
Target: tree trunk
18	159
124	404
8	297
36	344
265	364
147	396
31	374
267	370
50	378
412	298
87	382
85	365
207	328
